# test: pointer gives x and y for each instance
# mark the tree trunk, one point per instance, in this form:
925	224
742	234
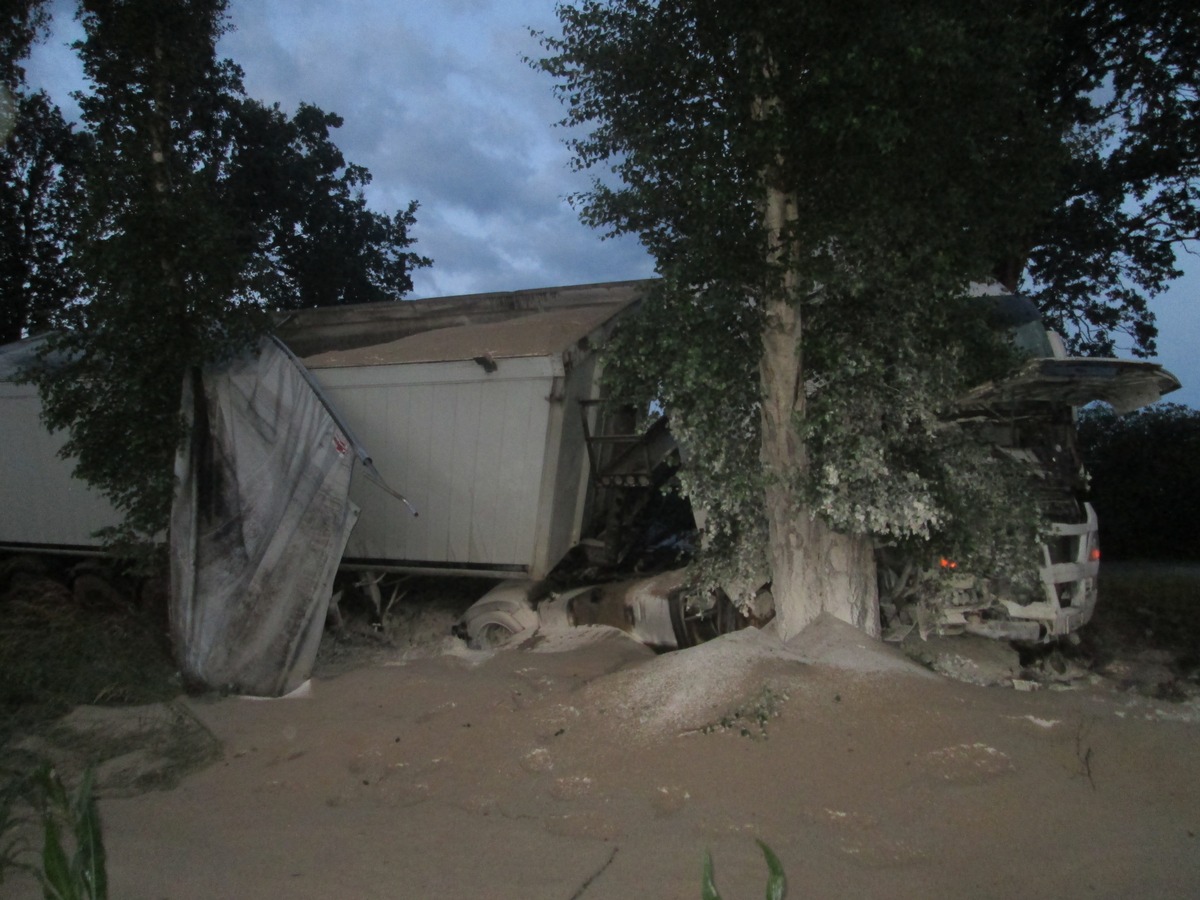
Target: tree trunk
813	568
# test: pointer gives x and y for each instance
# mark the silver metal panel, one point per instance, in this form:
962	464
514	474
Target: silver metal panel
41	503
467	447
566	472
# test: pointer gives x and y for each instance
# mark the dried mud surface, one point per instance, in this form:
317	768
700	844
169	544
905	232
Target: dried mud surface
584	766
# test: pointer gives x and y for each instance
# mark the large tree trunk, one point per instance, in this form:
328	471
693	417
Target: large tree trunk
813	568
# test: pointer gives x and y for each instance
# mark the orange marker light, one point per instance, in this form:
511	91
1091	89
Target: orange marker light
1094	556
948	563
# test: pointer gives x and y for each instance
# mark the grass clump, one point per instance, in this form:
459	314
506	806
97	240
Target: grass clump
61	648
751	718
1148	606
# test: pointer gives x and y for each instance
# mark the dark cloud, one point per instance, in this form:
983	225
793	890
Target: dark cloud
441	108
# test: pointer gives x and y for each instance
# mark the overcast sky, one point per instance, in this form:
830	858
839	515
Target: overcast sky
440	107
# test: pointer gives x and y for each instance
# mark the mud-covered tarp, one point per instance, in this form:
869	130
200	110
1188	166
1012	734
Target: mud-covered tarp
260	521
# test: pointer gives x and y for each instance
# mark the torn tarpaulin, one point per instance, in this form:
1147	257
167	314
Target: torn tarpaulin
260	521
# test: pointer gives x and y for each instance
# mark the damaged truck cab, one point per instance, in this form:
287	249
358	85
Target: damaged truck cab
1029	416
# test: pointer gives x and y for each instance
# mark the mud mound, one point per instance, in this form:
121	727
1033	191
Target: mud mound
133	749
831	642
59	649
735	677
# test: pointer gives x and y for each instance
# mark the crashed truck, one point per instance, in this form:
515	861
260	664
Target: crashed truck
1029	416
459	436
469	436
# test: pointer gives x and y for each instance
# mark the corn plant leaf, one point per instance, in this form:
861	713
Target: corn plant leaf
89	853
57	881
708	887
777	881
53	790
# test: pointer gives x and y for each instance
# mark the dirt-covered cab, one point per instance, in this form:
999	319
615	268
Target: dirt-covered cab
1030	416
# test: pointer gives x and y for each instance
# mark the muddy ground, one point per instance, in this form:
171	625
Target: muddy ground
585	766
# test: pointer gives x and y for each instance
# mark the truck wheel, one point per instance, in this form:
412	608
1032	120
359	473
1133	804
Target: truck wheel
694	626
495	632
499	615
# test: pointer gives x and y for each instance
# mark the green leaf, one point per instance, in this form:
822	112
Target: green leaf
708	887
89	854
52	787
57	882
777	882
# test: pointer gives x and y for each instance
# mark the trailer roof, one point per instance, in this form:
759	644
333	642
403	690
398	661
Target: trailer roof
20	357
17	356
537	322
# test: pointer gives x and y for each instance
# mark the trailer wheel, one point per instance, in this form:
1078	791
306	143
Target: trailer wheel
493	634
500	615
694	626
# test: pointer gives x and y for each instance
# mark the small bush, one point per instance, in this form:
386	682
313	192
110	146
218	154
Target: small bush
57	653
1145	470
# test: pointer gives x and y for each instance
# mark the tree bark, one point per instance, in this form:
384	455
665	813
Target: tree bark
813	568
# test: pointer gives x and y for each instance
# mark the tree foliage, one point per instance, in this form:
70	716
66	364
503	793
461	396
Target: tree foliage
322	243
913	149
1123	74
40	159
1117	78
868	110
202	212
21	23
1145	471
40	200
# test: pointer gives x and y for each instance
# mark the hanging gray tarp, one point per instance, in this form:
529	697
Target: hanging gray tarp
260	521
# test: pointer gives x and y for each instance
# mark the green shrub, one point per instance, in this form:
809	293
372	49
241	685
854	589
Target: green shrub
57	653
1145	470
